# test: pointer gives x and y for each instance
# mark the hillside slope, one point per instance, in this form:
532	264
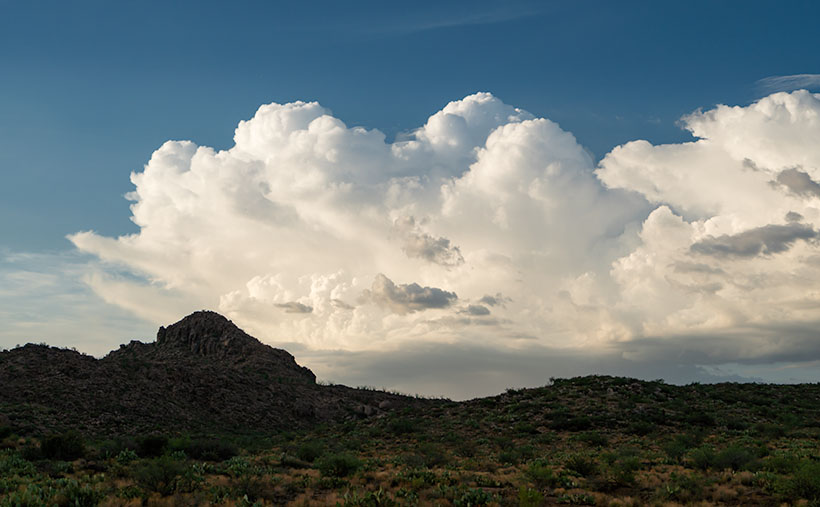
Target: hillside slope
201	373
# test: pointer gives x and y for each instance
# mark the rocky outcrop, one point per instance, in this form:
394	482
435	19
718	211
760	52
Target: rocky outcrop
202	374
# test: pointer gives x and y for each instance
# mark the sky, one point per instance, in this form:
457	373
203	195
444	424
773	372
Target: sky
444	198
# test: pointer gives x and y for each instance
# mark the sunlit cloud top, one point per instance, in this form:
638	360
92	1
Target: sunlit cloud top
488	227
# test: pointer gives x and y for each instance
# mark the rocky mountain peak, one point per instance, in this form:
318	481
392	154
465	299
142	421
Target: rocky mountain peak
206	333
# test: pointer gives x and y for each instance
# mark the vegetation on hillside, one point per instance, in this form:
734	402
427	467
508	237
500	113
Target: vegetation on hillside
582	441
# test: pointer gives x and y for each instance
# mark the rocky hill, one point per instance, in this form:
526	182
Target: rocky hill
201	374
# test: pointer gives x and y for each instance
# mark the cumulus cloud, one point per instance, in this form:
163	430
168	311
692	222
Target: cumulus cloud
421	245
714	237
766	240
406	298
798	182
497	300
295	307
476	310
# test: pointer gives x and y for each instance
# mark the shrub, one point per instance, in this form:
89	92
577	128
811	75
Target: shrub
79	495
769	430
338	465
736	457
529	497
526	428
151	446
126	456
159	475
581	464
65	446
474	496
782	464
516	455
593	438
401	426
568	423
309	451
210	450
805	483
678	446
701	419
682	488
432	455
703	457
12	464
736	425
541	475
641	428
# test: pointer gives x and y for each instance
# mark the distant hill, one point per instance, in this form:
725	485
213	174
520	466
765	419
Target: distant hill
202	373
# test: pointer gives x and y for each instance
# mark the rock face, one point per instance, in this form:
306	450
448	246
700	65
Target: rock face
202	373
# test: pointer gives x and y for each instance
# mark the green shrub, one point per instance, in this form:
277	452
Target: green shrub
677	447
338	465
12	464
159	475
474	496
66	446
769	430
126	456
593	438
703	458
701	419
682	488
541	475
526	428
569	423
210	450
581	464
736	425
736	457
151	446
75	494
401	426
641	428
782	464
529	497
516	455
309	451
433	455
805	483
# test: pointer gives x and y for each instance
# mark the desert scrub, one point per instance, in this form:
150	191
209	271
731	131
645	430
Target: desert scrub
737	457
338	465
75	494
309	451
12	464
804	484
582	465
592	438
151	446
541	475
159	475
66	446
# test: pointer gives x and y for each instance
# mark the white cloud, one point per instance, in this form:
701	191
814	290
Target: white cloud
299	231
773	84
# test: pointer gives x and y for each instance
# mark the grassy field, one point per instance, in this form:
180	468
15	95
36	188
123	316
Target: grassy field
581	441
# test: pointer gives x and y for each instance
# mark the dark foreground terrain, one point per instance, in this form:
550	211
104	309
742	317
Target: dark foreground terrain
207	415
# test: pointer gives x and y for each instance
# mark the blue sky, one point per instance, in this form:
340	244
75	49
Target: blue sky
91	91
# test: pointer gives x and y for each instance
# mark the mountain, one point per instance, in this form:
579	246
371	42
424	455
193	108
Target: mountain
202	373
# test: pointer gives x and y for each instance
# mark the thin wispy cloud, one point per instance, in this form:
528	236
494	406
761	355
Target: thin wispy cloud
790	83
443	18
